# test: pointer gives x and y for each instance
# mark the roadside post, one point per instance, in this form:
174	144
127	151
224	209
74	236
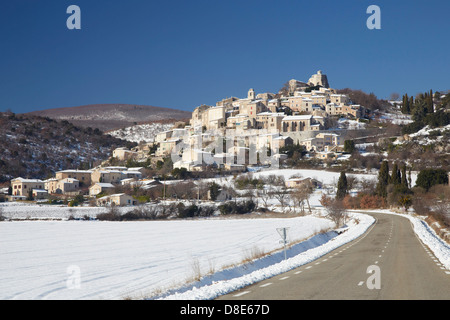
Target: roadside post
283	234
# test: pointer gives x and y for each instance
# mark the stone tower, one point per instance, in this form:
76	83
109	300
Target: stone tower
319	79
251	94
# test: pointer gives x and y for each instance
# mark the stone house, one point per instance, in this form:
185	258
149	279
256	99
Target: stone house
123	154
83	176
118	200
21	186
99	187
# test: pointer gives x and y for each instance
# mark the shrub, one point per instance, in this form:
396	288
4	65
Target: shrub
372	202
187	212
430	177
237	208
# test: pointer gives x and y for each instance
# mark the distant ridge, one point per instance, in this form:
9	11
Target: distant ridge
108	117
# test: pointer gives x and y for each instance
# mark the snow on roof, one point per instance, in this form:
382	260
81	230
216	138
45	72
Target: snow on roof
74	170
299	117
28	180
104	185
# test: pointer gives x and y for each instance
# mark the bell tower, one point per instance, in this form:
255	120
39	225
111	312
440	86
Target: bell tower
251	94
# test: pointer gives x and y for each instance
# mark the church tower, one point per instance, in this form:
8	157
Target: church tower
251	94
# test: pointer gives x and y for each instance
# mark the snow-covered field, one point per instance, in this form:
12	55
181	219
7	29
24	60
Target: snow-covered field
62	259
116	260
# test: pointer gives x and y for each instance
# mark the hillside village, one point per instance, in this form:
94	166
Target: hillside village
302	113
237	135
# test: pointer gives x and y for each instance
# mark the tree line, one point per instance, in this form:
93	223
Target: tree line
426	109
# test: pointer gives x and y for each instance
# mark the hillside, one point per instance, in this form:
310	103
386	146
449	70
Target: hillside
36	147
142	132
108	117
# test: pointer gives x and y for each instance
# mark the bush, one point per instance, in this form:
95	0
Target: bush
187	212
194	211
112	215
430	177
237	208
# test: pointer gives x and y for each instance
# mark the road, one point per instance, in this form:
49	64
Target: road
388	262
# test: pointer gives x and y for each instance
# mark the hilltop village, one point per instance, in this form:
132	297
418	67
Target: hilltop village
299	114
236	135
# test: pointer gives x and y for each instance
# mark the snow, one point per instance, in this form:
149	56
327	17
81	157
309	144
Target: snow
161	259
130	259
395	118
141	132
118	260
426	131
304	253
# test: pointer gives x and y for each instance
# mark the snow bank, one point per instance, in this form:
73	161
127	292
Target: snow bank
312	250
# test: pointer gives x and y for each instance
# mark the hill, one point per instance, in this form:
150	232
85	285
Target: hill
36	147
142	132
108	117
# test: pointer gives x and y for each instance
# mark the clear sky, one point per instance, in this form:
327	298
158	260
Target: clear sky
181	54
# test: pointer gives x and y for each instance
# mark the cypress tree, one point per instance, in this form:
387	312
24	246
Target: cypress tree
342	186
383	180
406	108
404	179
395	177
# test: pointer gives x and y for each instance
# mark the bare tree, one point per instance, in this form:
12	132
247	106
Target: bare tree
394	96
280	191
336	211
282	195
301	194
265	194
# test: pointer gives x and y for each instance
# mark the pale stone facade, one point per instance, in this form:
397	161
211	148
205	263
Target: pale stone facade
124	154
83	176
21	187
319	79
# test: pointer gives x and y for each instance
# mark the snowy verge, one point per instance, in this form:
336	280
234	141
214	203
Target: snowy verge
300	254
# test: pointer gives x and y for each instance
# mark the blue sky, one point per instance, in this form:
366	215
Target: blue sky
180	54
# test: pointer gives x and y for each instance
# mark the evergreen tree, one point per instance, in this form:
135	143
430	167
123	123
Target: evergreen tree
406	107
430	177
404	179
342	186
349	146
214	191
383	180
395	177
30	195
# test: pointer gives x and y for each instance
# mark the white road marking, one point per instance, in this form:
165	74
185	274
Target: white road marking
241	293
265	285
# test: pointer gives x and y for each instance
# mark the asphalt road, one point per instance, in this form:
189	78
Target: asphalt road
388	262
